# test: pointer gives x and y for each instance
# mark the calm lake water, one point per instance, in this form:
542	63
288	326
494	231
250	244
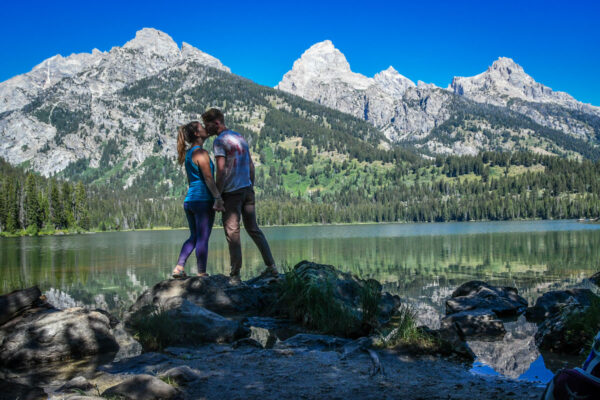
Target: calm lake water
423	263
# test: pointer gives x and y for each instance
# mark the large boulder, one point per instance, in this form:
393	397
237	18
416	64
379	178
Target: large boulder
349	289
53	335
550	304
18	301
214	293
183	322
475	323
569	326
478	295
199	325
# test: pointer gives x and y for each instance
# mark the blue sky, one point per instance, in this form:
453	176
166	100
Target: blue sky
558	43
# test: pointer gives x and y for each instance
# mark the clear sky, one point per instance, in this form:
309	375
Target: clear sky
558	43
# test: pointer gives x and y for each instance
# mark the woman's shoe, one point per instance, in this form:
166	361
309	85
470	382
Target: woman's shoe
270	271
179	273
202	274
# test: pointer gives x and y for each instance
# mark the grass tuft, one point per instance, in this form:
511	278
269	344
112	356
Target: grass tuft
154	328
314	305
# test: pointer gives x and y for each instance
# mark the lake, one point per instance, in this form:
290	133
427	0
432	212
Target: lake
423	263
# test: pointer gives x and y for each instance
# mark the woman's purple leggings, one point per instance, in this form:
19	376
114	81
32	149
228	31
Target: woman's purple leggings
200	216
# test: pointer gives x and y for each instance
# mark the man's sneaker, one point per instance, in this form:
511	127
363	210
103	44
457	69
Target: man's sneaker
235	280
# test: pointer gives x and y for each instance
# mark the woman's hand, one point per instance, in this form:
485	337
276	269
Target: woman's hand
219	205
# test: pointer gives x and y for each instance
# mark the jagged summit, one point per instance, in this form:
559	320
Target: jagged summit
150	39
148	52
504	80
321	62
392	82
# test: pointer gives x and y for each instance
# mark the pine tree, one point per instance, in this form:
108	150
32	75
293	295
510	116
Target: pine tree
33	214
81	210
57	214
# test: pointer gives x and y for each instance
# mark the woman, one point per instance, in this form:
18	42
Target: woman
202	198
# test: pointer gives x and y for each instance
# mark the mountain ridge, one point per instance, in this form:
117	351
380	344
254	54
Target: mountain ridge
408	113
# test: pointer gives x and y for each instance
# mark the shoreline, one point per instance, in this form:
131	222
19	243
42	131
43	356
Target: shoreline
66	232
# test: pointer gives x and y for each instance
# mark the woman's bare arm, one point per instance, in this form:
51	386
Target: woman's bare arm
202	159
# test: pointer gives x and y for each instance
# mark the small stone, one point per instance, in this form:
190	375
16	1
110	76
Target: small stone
77	383
143	387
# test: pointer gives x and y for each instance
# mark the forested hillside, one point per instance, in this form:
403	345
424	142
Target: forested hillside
314	164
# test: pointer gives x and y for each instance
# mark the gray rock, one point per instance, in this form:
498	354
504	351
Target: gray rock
54	335
143	387
555	333
195	324
128	346
347	289
14	303
595	279
181	375
451	342
214	293
264	336
77	383
14	390
313	342
478	295
551	303
476	323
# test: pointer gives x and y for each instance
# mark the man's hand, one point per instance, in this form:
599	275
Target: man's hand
219	205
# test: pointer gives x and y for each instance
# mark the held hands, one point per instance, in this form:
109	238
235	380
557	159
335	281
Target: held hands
219	205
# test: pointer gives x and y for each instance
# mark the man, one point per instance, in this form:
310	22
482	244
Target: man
235	182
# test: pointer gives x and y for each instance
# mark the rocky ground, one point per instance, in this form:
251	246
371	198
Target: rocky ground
228	341
219	371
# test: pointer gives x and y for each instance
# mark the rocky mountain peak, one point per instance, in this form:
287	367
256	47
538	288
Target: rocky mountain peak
506	65
505	79
321	63
150	40
392	82
323	56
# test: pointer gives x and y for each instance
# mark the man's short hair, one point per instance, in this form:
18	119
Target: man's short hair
212	115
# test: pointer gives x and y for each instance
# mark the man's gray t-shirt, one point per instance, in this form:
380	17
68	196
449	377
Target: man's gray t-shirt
234	148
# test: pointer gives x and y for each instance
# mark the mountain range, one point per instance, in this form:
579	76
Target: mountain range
113	110
416	113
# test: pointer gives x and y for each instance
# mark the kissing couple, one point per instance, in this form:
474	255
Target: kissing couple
232	193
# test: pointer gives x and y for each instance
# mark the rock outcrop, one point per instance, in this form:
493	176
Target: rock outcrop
551	303
567	320
478	295
214	293
348	289
475	307
53	335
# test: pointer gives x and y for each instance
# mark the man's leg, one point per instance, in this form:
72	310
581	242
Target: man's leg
249	216
231	225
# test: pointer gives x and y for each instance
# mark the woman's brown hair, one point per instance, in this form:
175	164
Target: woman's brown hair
186	134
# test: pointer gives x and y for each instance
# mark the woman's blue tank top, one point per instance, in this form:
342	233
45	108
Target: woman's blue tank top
198	191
